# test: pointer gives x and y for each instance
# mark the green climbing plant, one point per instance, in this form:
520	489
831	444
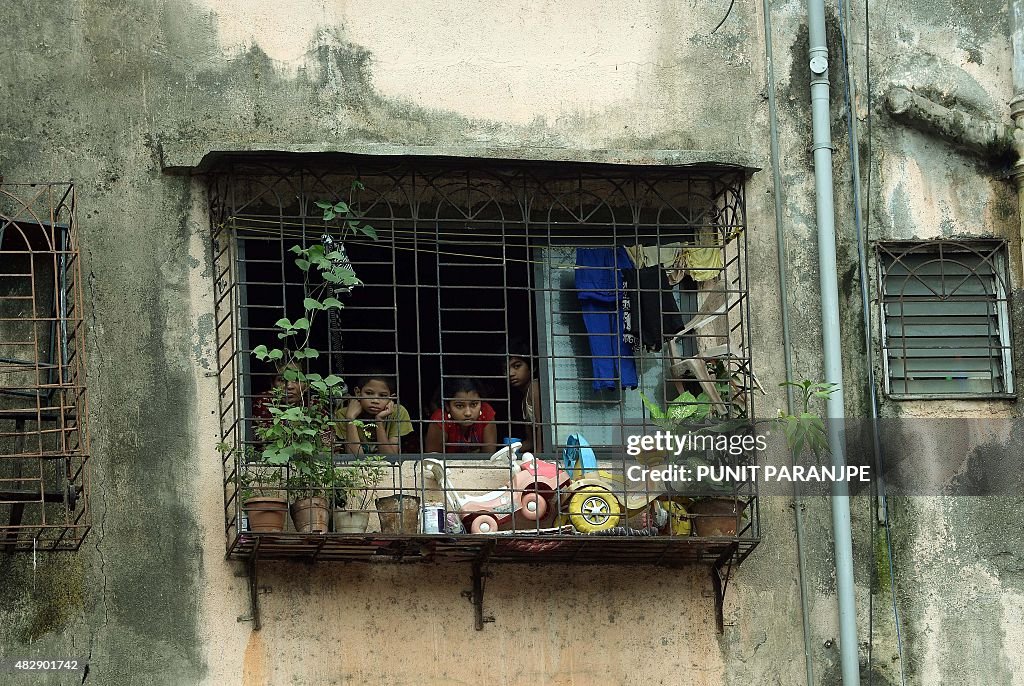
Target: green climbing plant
300	435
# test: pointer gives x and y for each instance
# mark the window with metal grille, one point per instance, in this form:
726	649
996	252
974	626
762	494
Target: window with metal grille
475	264
945	319
44	453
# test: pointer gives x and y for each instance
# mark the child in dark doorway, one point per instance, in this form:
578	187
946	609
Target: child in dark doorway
282	393
464	424
524	405
372	422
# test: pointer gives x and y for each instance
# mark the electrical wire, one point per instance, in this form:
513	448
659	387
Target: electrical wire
863	237
727	13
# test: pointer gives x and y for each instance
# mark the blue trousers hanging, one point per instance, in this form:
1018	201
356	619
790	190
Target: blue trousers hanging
599	288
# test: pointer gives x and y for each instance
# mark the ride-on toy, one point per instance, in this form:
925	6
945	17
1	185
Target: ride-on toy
534	483
598	500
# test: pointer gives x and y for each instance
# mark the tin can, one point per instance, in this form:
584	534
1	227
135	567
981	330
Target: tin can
432	519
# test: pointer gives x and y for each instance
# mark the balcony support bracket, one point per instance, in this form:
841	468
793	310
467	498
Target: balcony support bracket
721	571
476	595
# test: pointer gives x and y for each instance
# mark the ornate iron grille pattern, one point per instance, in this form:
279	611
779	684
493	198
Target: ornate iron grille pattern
470	256
44	445
945	318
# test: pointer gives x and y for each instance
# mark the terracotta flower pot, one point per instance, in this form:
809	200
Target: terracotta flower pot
311	515
266	514
351	522
716	516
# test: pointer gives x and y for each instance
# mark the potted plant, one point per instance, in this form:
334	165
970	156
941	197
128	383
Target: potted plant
710	504
354	488
261	492
309	486
299	433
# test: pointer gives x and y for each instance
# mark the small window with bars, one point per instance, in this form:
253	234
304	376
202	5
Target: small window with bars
44	444
945	319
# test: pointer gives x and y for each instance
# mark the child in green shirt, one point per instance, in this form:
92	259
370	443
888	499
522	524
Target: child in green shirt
372	423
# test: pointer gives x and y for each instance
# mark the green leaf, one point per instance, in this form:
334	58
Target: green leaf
322	205
332	380
652	407
332	302
319	385
314	377
312	304
311	353
321	262
301	323
297	249
341	207
367	230
329	215
276	354
260	352
283	323
358	185
302	264
275	457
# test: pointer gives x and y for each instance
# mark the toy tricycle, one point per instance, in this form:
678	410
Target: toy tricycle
597	500
534	484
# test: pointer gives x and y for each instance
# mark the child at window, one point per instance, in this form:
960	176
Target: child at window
524	406
282	393
464	423
384	421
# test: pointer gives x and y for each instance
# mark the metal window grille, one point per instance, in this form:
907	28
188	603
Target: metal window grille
473	263
945	319
44	445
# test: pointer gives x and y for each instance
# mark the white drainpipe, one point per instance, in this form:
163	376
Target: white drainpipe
825	206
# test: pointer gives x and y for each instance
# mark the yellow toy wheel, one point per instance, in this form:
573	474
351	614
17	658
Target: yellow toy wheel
593	508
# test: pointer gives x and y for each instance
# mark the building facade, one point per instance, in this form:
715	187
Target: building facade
163	114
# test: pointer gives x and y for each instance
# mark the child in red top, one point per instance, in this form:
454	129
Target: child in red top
464	424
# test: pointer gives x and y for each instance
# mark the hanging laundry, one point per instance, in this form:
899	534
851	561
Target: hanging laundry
659	314
670	256
599	288
705	262
638	254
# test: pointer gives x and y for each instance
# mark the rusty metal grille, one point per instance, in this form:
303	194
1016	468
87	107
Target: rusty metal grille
945	319
44	444
474	262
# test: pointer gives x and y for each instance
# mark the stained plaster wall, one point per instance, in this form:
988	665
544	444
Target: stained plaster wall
110	93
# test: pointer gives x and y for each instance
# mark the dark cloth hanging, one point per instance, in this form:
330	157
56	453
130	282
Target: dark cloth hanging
658	311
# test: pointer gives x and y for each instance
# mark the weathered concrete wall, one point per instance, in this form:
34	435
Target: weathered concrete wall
104	92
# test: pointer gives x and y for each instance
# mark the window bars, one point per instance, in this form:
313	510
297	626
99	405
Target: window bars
44	444
945	319
602	281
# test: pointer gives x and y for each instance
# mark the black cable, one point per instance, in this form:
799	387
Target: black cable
727	12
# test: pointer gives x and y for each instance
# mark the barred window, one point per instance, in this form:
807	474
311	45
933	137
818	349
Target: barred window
44	455
557	293
945	319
